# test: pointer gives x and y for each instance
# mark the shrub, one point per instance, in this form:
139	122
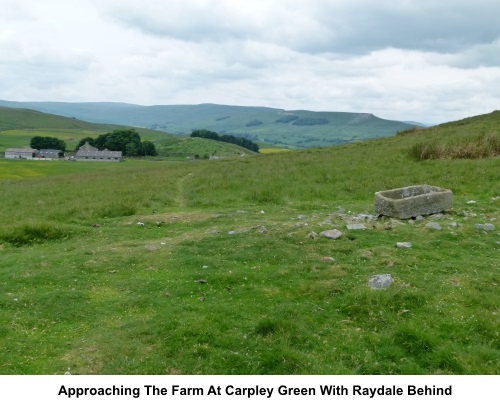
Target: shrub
33	233
482	146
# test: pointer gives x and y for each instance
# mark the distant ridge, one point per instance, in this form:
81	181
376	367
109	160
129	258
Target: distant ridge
291	129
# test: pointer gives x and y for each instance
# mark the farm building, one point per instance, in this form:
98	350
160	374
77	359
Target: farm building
50	154
20	153
88	153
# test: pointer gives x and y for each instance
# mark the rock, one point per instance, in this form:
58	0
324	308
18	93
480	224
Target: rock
331	234
205	267
408	202
437	216
312	235
366	217
355	227
452	224
434	225
201	299
327	259
485	227
140	223
202	281
380	281
404	245
471	202
419	218
260	228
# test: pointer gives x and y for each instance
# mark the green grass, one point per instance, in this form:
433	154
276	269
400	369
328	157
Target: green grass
222	278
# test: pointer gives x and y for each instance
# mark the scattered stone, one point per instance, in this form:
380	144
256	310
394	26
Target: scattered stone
140	223
437	216
327	221
404	245
301	217
419	218
356	227
380	281
434	225
205	267
366	217
201	299
202	281
260	228
327	259
262	212
452	224
96	226
411	221
471	202
331	234
485	227
312	235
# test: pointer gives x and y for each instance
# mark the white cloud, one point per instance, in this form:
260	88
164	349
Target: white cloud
417	60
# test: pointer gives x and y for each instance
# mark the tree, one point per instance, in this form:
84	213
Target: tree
47	142
149	148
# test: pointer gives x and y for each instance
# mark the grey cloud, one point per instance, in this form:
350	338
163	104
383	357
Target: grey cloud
347	27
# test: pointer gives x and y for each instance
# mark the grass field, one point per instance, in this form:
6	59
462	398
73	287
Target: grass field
207	267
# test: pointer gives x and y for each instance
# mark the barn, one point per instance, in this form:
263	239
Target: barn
88	153
50	154
20	153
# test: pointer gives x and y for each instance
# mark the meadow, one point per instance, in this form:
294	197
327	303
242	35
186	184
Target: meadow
208	267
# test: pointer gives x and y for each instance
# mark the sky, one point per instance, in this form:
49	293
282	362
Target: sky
425	61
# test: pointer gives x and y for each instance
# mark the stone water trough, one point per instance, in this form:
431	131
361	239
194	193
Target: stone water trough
412	201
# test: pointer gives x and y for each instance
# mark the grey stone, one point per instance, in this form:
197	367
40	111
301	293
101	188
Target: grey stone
404	245
380	281
434	225
327	259
419	218
452	224
412	201
355	227
331	234
312	235
485	227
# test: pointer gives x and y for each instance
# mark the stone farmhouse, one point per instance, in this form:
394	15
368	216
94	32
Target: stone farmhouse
87	153
21	153
33	154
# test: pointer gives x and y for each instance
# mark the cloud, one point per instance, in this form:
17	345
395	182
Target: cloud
318	26
420	60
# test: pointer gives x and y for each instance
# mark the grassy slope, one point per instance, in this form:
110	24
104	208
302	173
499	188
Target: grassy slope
182	119
18	126
103	295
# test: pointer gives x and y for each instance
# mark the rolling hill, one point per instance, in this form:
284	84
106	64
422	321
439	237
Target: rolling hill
282	128
218	267
19	125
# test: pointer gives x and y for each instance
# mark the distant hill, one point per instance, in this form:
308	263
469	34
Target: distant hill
19	125
295	129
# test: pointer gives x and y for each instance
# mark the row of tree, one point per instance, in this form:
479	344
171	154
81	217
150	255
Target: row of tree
243	142
47	142
128	141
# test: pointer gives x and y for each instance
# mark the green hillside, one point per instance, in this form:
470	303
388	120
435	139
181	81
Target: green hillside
218	267
294	129
19	125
